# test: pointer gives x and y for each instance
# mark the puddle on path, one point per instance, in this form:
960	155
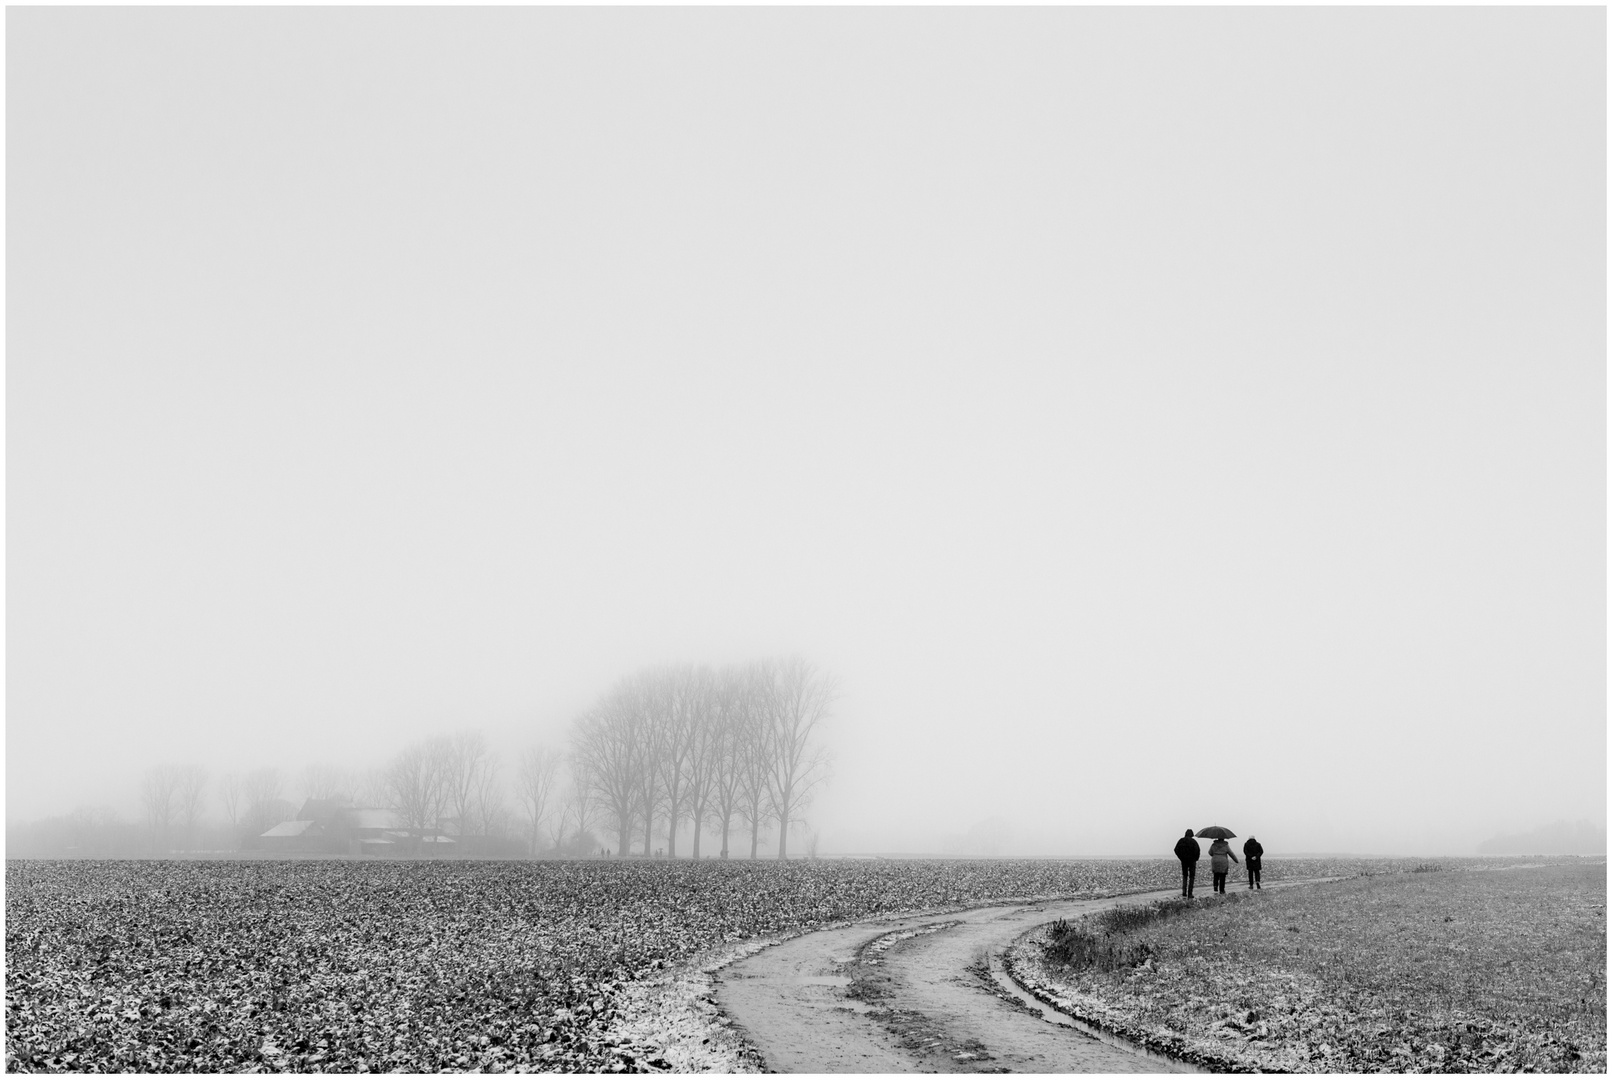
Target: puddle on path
822	980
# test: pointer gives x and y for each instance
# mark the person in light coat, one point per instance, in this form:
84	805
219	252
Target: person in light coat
1221	860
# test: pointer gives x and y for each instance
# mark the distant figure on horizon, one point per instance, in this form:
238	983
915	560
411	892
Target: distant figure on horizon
1251	861
1188	850
1221	859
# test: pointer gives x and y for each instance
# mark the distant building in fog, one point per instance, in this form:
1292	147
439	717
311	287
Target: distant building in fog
337	827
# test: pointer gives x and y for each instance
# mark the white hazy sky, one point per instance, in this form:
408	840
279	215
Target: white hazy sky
1152	416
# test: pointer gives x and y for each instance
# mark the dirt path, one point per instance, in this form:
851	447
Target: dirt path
924	994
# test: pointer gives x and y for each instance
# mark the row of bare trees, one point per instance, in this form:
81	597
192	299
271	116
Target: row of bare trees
712	747
171	796
453	777
174	802
687	745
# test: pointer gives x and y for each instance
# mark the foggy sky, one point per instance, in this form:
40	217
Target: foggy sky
1153	417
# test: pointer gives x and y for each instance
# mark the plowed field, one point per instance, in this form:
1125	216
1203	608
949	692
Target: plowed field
431	966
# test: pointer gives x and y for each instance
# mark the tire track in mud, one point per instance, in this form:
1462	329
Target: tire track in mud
920	994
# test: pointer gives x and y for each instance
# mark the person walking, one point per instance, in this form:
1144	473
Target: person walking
1221	859
1188	850
1251	861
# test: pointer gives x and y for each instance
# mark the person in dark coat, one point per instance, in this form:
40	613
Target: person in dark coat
1188	850
1251	861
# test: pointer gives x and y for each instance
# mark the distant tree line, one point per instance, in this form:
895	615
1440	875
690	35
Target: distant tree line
708	748
715	747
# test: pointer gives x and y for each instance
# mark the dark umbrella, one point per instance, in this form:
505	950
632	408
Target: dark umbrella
1217	832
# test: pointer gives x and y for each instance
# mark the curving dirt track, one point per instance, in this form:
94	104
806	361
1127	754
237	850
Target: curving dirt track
923	994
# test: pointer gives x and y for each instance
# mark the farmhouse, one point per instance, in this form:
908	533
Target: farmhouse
292	836
337	827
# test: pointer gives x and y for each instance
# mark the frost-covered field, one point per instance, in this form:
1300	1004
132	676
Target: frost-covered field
435	966
1494	970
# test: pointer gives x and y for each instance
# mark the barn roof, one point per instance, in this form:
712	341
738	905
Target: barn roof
289	828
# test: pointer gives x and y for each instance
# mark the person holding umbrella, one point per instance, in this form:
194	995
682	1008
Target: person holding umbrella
1221	857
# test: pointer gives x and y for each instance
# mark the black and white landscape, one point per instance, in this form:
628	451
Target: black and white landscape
730	539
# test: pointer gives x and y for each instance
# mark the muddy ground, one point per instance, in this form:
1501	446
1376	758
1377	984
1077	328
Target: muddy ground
923	994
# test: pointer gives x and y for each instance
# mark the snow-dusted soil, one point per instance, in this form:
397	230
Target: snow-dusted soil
672	1022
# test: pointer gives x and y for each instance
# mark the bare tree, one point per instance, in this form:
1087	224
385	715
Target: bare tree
190	786
645	713
609	758
560	823
370	787
799	699
229	796
730	715
682	742
577	814
465	757
417	787
490	816
159	795
497	824
706	745
326	781
753	752
676	697
262	789
535	779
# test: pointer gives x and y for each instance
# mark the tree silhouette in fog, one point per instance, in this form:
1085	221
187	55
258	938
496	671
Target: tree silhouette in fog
693	743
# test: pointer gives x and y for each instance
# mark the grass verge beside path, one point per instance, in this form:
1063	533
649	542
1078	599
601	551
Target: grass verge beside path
1488	970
